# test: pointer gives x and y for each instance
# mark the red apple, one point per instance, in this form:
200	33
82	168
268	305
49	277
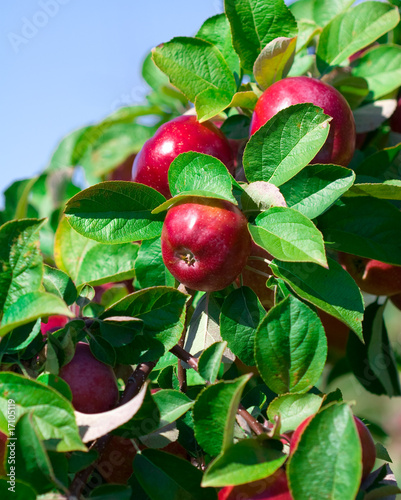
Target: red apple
274	487
53	324
395	120
372	276
205	243
123	172
92	383
180	135
367	443
340	144
337	333
255	281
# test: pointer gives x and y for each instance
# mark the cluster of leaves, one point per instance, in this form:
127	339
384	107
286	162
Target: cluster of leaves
61	243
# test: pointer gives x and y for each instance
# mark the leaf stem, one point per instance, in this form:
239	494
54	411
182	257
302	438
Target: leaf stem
261	273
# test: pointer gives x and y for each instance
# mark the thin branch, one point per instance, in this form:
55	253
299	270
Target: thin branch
181	371
258	272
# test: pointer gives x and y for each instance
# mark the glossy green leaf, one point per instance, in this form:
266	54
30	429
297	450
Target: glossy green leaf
217	31
30	307
388	190
332	289
289	236
320	11
353	30
172	405
381	164
158	471
116	212
21	337
197	68
56	383
58	283
364	226
290	347
353	88
285	144
210	361
246	461
315	188
21	491
149	266
71	149
52	414
327	463
240	316
162	311
293	409
195	171
215	412
236	127
152	74
381	68
255	23
21	263
275	61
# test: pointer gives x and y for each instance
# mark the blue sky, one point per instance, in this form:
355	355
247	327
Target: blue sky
68	63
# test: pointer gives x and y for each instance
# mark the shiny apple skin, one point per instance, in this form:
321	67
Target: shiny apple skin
180	135
205	243
92	383
340	144
367	443
372	276
274	487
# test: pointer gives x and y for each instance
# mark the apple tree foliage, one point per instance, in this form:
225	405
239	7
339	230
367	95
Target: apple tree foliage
61	240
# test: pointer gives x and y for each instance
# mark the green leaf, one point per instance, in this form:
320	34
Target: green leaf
111	492
364	226
285	144
353	30
107	263
320	11
152	74
290	347
116	212
22	491
217	31
210	361
381	68
236	127
353	88
255	23
215	412
315	188
53	416
289	236
382	164
102	350
240	316
373	362
293	409
149	266
246	461
332	289
327	464
388	190
70	150
172	405
58	283
162	311
195	66
30	307
20	338
275	61
21	263
56	383
195	171
158	471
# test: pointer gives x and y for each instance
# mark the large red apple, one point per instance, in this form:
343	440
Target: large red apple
92	383
205	243
340	144
274	487
372	276
180	135
368	446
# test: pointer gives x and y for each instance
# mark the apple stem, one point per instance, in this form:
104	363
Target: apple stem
257	271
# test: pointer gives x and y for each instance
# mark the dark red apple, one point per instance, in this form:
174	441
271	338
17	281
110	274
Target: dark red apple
367	443
274	487
124	171
205	243
92	383
372	276
340	144
180	135
53	324
255	281
395	120
396	300
337	333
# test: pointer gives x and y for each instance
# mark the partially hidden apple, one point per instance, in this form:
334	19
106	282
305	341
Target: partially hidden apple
180	135
274	487
372	276
205	243
92	383
340	144
53	324
123	172
367	443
